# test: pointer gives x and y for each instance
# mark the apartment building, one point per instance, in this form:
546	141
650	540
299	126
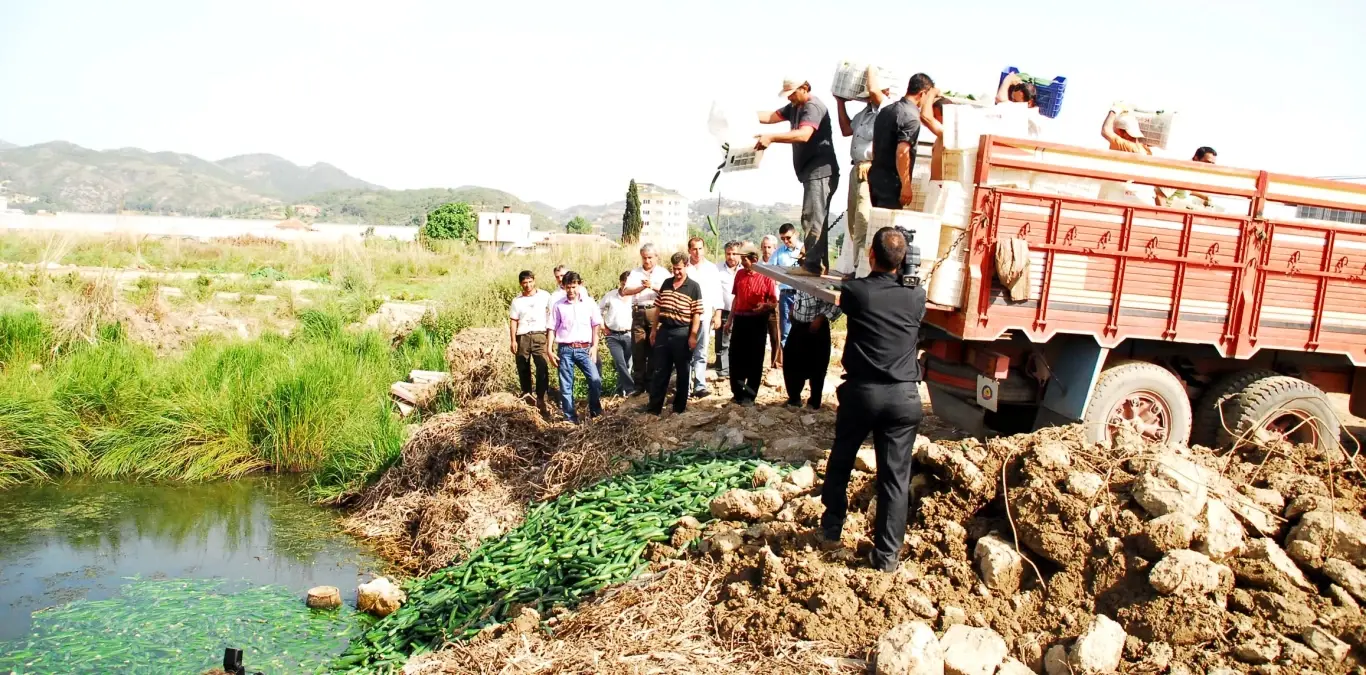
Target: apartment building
663	218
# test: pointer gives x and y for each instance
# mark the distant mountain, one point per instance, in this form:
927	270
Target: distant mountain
408	207
276	176
5	145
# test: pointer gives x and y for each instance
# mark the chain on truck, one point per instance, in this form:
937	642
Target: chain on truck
1201	326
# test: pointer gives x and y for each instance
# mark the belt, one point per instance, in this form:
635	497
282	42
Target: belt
788	290
618	332
862	162
576	345
641	308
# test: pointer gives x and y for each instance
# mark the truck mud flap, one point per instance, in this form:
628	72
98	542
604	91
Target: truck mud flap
964	415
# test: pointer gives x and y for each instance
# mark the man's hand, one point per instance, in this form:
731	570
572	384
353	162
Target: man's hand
514	348
907	195
692	341
653	334
862	170
730	323
841	99
816	323
554	360
715	320
762	141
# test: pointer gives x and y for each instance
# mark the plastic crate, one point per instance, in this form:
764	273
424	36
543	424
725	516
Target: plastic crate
1050	95
742	156
1156	126
851	81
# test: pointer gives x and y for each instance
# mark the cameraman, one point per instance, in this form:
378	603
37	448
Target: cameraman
879	394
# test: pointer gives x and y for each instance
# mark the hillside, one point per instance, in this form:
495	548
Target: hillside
61	176
406	207
5	145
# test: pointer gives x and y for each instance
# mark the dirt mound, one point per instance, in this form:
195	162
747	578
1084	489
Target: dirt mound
481	364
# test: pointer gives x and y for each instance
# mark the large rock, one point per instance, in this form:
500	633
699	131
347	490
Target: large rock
1255	515
1084	484
908	649
865	460
764	475
746	505
1099	648
1223	537
1337	535
1348	576
802	478
324	597
955	464
1012	666
1187	572
1326	644
1173	484
1053	455
1055	661
972	651
1171	532
1266	549
999	564
379	597
1258	650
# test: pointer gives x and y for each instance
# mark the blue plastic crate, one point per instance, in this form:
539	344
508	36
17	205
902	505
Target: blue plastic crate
1050	95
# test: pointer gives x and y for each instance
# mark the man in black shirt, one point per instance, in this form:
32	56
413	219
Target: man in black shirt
675	335
879	394
813	158
894	143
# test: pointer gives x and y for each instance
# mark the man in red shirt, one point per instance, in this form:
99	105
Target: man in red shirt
756	296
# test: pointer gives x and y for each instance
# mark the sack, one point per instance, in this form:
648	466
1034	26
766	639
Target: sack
1012	267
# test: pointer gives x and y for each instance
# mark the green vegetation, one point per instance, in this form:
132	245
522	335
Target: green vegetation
451	221
630	220
565	550
408	207
578	225
181	626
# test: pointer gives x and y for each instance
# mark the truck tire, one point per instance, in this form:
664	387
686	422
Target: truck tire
1143	392
1215	408
1284	405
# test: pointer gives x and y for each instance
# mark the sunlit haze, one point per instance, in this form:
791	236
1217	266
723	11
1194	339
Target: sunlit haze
565	102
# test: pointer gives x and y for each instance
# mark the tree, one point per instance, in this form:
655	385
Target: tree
578	225
289	211
630	221
451	221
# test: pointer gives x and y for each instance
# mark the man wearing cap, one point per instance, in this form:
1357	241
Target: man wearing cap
861	151
895	135
756	296
813	158
1124	134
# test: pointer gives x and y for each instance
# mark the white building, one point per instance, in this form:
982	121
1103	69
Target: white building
663	218
505	227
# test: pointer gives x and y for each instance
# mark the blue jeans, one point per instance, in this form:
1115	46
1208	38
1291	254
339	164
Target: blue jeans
698	365
578	356
619	344
787	298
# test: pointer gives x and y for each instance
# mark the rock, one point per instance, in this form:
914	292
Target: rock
808	420
1267	498
726	542
1171	532
379	597
1296	484
790	449
1099	648
1258	650
1012	666
1055	661
1266	549
921	604
1356	635
689	523
999	565
1084	484
802	478
1323	642
1305	553
768	501
1344	599
1156	657
1302	504
729	437
1187	572
324	597
1053	455
1346	575
772	571
908	649
1223	536
1173	484
735	504
1292	651
956	465
491	529
764	475
1338	535
1256	516
1276	607
952	616
866	460
766	420
972	651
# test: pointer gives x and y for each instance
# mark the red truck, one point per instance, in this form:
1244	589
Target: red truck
1192	325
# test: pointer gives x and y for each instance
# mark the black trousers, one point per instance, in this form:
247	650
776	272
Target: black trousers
806	359
892	412
722	346
671	356
748	334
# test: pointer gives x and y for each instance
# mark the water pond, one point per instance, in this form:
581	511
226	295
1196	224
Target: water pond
100	577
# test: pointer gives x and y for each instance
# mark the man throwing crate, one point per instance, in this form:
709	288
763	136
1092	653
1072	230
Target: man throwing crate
813	158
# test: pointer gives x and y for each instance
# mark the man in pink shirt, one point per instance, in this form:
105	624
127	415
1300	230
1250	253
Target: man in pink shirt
573	328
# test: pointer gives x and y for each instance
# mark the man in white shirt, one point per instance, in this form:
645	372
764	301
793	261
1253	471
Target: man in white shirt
642	286
726	269
860	208
558	295
616	332
527	331
706	275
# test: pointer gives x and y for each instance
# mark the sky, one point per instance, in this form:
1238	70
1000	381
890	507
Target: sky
566	102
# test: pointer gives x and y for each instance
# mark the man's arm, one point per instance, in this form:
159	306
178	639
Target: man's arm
696	326
512	334
1003	93
798	135
875	97
927	114
903	169
1107	129
550	328
770	116
846	127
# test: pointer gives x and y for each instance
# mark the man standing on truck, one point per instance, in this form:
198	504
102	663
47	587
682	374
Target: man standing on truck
1015	90
1124	134
879	394
813	158
861	155
1205	154
895	134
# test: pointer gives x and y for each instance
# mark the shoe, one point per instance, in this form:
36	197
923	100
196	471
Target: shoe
701	393
886	567
748	403
793	404
814	405
830	537
637	392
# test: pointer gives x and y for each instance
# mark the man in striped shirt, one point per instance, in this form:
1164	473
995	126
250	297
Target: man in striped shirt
674	336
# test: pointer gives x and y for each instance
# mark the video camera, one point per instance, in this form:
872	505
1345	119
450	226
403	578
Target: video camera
232	662
908	274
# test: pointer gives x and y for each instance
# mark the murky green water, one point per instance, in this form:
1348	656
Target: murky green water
101	577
